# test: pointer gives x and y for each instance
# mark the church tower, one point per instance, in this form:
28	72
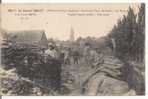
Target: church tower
72	33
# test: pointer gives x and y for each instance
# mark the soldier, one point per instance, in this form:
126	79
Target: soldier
96	58
67	56
76	57
86	53
53	67
51	51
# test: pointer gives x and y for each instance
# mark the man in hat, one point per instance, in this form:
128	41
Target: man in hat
51	51
53	66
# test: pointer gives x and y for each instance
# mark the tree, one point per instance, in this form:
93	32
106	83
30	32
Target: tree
129	35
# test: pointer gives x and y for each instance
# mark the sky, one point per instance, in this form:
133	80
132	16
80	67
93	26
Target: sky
95	20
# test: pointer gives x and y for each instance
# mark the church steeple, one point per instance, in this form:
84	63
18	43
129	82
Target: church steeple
72	38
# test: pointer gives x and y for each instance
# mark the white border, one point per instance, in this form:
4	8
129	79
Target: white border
72	1
87	1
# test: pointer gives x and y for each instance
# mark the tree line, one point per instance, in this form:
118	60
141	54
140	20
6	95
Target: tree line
129	35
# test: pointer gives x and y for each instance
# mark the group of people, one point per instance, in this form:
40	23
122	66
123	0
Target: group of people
105	79
74	55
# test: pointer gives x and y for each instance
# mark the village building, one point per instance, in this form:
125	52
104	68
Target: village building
29	37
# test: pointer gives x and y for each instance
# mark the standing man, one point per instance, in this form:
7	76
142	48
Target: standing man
53	67
51	51
86	53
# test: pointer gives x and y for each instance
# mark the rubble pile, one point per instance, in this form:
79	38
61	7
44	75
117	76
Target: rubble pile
12	84
32	72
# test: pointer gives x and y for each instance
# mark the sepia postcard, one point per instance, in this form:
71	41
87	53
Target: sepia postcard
72	49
